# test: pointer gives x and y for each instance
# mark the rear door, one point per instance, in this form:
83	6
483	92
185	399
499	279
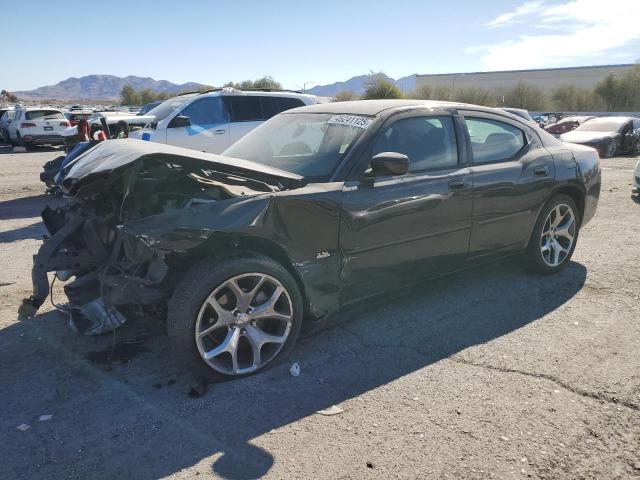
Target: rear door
512	176
246	114
399	229
209	130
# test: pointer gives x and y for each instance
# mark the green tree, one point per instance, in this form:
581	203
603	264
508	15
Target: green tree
621	93
129	96
345	96
9	97
428	92
266	82
575	99
377	86
474	95
525	95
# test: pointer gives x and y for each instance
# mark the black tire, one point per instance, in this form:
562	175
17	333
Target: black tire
611	149
197	285
534	260
22	143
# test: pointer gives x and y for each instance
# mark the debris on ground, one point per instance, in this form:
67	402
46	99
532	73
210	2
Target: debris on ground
198	390
295	369
23	427
332	410
45	418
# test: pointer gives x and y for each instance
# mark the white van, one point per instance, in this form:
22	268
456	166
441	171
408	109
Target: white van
211	121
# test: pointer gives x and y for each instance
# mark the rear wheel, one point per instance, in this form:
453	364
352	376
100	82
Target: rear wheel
235	317
554	236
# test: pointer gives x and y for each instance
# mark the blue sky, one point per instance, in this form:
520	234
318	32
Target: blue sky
216	41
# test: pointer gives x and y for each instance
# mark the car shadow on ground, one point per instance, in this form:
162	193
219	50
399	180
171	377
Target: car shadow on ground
27	207
33	231
127	413
6	149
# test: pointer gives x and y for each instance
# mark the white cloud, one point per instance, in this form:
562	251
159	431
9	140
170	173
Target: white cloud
582	29
517	16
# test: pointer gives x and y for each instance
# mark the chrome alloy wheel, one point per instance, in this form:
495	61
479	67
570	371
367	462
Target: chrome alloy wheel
558	235
244	323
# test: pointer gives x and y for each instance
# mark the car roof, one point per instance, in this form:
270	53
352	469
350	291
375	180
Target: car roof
375	107
39	108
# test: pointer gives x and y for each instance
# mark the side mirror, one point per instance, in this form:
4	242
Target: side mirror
179	121
389	163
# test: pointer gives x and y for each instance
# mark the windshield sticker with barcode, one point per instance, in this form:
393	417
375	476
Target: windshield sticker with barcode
351	121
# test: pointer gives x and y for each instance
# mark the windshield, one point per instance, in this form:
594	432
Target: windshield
602	125
167	107
307	144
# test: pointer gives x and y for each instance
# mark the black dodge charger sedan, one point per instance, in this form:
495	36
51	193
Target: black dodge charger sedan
318	207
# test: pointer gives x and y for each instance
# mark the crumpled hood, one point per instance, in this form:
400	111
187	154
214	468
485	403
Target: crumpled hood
579	136
113	154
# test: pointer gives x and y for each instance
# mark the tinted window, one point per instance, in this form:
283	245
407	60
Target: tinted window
287	103
429	142
492	140
206	111
43	114
245	109
270	107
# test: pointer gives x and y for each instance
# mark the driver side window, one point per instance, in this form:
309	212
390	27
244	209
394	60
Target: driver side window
429	142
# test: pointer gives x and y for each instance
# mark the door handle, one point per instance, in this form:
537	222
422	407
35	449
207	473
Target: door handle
220	131
542	171
457	184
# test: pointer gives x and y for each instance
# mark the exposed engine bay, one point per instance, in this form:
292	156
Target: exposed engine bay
110	270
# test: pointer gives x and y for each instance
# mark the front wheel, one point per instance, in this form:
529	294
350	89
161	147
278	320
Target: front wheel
611	149
235	317
554	236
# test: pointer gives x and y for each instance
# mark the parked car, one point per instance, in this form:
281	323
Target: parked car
74	116
211	121
636	179
566	124
316	208
609	135
6	115
148	107
521	112
37	126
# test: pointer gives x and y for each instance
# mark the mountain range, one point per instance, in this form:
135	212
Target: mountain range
108	87
357	85
102	87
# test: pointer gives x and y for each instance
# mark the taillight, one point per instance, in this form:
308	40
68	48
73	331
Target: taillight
65	124
27	125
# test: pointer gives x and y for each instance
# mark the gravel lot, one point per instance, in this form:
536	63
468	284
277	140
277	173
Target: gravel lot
490	374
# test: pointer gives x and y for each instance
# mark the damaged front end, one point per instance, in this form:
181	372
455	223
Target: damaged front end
116	184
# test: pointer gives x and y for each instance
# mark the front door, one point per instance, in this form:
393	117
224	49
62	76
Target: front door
400	229
209	130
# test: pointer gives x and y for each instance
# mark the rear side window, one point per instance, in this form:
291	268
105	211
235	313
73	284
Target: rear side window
429	142
206	111
270	107
287	103
493	141
245	109
43	115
